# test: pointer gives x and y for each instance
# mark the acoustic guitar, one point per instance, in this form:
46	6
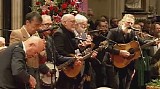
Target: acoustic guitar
73	71
135	52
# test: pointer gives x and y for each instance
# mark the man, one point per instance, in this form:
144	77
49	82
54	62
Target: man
13	68
46	26
65	44
51	52
33	22
84	42
102	71
45	33
121	35
103	29
80	32
114	22
90	14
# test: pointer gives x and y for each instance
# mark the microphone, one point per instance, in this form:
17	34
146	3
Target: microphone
49	29
134	29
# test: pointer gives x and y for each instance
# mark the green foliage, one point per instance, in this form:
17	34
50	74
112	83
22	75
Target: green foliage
155	82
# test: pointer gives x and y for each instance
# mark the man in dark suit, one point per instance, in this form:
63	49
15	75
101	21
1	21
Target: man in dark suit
65	44
13	70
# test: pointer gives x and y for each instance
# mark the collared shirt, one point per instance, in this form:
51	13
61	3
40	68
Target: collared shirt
26	31
24	48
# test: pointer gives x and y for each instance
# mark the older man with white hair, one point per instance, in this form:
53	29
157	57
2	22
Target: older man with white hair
80	30
85	43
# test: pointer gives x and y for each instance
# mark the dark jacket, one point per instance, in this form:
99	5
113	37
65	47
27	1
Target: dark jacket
64	41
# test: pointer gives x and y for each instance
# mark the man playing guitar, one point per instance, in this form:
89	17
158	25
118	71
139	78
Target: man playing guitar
121	35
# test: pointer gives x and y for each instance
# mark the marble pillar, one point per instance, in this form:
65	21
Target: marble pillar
17	13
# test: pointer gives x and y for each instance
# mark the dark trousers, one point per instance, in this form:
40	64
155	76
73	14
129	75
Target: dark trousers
36	74
123	76
65	82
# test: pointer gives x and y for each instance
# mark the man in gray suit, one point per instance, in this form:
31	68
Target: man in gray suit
13	71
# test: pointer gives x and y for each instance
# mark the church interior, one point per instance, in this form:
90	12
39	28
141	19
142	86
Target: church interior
146	24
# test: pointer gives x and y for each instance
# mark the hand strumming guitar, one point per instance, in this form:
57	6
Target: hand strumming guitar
78	61
124	53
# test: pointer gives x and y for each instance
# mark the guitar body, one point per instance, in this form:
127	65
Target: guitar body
132	47
73	71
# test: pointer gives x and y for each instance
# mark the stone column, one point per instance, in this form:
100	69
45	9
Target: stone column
158	7
1	17
17	14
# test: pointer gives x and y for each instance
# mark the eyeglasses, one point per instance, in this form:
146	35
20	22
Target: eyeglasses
47	24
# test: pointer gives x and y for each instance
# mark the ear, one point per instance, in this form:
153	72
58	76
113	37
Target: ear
64	22
27	21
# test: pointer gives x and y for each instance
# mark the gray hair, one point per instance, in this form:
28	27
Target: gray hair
80	18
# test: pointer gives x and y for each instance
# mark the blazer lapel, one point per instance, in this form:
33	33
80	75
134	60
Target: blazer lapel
25	34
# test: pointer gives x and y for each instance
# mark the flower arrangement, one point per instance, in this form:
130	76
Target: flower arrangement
154	84
55	8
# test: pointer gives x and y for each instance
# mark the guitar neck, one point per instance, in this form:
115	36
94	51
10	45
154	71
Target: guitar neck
147	44
73	59
66	63
89	54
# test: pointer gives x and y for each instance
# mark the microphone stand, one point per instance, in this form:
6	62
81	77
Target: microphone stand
53	55
141	51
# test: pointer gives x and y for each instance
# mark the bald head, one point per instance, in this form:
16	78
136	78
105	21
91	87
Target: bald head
66	17
68	21
34	45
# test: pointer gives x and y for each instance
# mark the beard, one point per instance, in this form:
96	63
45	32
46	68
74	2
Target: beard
126	29
158	35
81	30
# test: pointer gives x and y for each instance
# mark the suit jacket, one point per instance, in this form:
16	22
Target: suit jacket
13	68
22	35
18	35
52	53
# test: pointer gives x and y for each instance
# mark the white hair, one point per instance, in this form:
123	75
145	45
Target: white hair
127	17
47	18
80	18
65	17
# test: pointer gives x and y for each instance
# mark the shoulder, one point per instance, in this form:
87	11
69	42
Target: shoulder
59	31
16	36
115	30
17	47
17	31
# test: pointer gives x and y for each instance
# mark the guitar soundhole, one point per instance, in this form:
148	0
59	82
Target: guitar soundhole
131	51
